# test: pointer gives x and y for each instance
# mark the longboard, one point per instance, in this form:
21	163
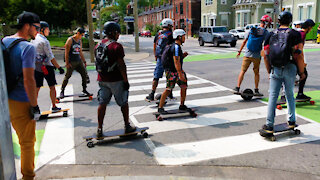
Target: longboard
45	114
278	128
175	113
282	104
85	96
119	132
246	94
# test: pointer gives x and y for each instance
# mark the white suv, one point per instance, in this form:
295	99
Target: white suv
238	33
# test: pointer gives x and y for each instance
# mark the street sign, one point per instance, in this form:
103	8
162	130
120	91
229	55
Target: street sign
94	14
128	19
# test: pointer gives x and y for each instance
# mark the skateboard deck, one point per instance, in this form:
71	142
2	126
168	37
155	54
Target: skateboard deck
175	113
247	94
119	132
283	104
277	129
75	95
45	114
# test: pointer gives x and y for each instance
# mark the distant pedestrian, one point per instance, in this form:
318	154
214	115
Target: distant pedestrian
45	63
23	97
75	61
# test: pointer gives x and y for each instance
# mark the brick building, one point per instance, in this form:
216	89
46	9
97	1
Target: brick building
184	13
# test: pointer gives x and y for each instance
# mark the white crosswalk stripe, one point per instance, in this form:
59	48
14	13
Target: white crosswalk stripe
140	77
210	50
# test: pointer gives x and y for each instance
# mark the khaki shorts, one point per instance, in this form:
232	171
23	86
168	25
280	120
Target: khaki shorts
247	61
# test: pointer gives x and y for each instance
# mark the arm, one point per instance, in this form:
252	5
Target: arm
300	61
154	50
266	61
30	85
67	50
242	46
177	65
123	69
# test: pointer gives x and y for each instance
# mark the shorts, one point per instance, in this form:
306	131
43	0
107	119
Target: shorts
50	78
158	71
173	78
247	61
107	89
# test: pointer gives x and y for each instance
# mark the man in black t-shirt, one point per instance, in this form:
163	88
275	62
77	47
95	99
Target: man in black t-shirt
284	74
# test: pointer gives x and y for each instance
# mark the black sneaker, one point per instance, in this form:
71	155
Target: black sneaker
150	97
55	109
257	93
236	90
99	133
62	94
183	108
162	111
302	97
291	125
86	92
129	129
267	129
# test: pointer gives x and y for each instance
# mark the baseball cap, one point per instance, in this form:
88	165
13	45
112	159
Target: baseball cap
26	18
80	30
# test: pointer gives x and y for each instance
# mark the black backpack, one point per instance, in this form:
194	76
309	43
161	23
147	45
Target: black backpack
11	79
280	48
167	57
103	65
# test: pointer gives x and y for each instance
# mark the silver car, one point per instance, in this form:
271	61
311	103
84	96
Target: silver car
216	35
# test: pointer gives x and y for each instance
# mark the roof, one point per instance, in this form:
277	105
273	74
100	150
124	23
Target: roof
165	7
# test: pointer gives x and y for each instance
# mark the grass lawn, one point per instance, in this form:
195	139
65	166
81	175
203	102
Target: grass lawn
58	41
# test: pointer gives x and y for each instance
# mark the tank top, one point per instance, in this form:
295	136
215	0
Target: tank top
74	53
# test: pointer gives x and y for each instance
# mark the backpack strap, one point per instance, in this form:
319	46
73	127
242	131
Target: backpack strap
14	43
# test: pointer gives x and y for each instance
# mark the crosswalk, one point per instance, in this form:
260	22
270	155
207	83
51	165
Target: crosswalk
211	50
224	123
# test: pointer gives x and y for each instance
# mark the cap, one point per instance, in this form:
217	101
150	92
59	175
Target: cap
80	30
26	18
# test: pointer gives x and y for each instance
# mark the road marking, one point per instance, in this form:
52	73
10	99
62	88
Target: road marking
178	154
177	92
142	80
140	75
209	119
140	68
142	71
59	136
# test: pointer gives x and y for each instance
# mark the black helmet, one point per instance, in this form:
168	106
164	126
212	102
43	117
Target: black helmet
308	23
110	27
43	25
285	17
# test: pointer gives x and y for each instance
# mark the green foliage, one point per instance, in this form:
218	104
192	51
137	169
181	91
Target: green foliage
313	33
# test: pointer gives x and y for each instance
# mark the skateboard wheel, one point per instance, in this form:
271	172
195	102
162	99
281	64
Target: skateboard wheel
159	118
57	101
145	134
312	102
273	138
297	131
65	114
90	144
279	107
90	97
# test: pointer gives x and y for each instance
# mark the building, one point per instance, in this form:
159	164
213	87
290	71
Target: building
217	13
303	9
184	13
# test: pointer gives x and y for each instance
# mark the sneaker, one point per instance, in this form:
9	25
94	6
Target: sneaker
257	93
150	97
291	124
99	133
62	94
129	128
302	97
161	111
183	108
282	100
236	90
86	92
267	129
55	109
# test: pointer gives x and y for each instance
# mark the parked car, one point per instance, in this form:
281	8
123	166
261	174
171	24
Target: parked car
238	33
145	34
216	35
96	34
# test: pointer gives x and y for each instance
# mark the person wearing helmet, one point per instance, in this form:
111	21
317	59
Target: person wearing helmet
297	25
282	68
45	63
254	42
175	73
75	61
161	40
113	82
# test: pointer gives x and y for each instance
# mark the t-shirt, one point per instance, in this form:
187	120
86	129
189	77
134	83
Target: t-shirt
115	53
21	56
177	51
44	52
260	31
303	36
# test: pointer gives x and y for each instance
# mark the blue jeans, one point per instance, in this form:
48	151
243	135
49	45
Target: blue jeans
278	76
158	71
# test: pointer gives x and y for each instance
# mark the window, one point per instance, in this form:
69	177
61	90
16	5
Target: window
201	29
204	20
205	29
181	8
238	20
245	19
224	20
208	2
220	29
176	9
300	13
212	22
309	12
165	14
224	2
209	30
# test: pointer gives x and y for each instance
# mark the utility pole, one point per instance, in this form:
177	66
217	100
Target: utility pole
187	20
136	33
7	166
100	21
91	42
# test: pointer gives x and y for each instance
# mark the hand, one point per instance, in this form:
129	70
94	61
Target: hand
302	76
68	65
85	63
185	54
61	70
182	77
239	52
35	112
126	85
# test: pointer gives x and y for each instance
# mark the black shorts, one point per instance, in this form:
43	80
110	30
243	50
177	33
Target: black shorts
50	78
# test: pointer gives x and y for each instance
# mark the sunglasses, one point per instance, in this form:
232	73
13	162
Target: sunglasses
37	27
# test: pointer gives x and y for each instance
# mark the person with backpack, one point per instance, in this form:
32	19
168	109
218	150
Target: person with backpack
112	76
254	42
164	38
75	61
19	61
282	56
45	63
172	59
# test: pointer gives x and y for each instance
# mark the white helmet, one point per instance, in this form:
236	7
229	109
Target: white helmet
166	22
178	32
